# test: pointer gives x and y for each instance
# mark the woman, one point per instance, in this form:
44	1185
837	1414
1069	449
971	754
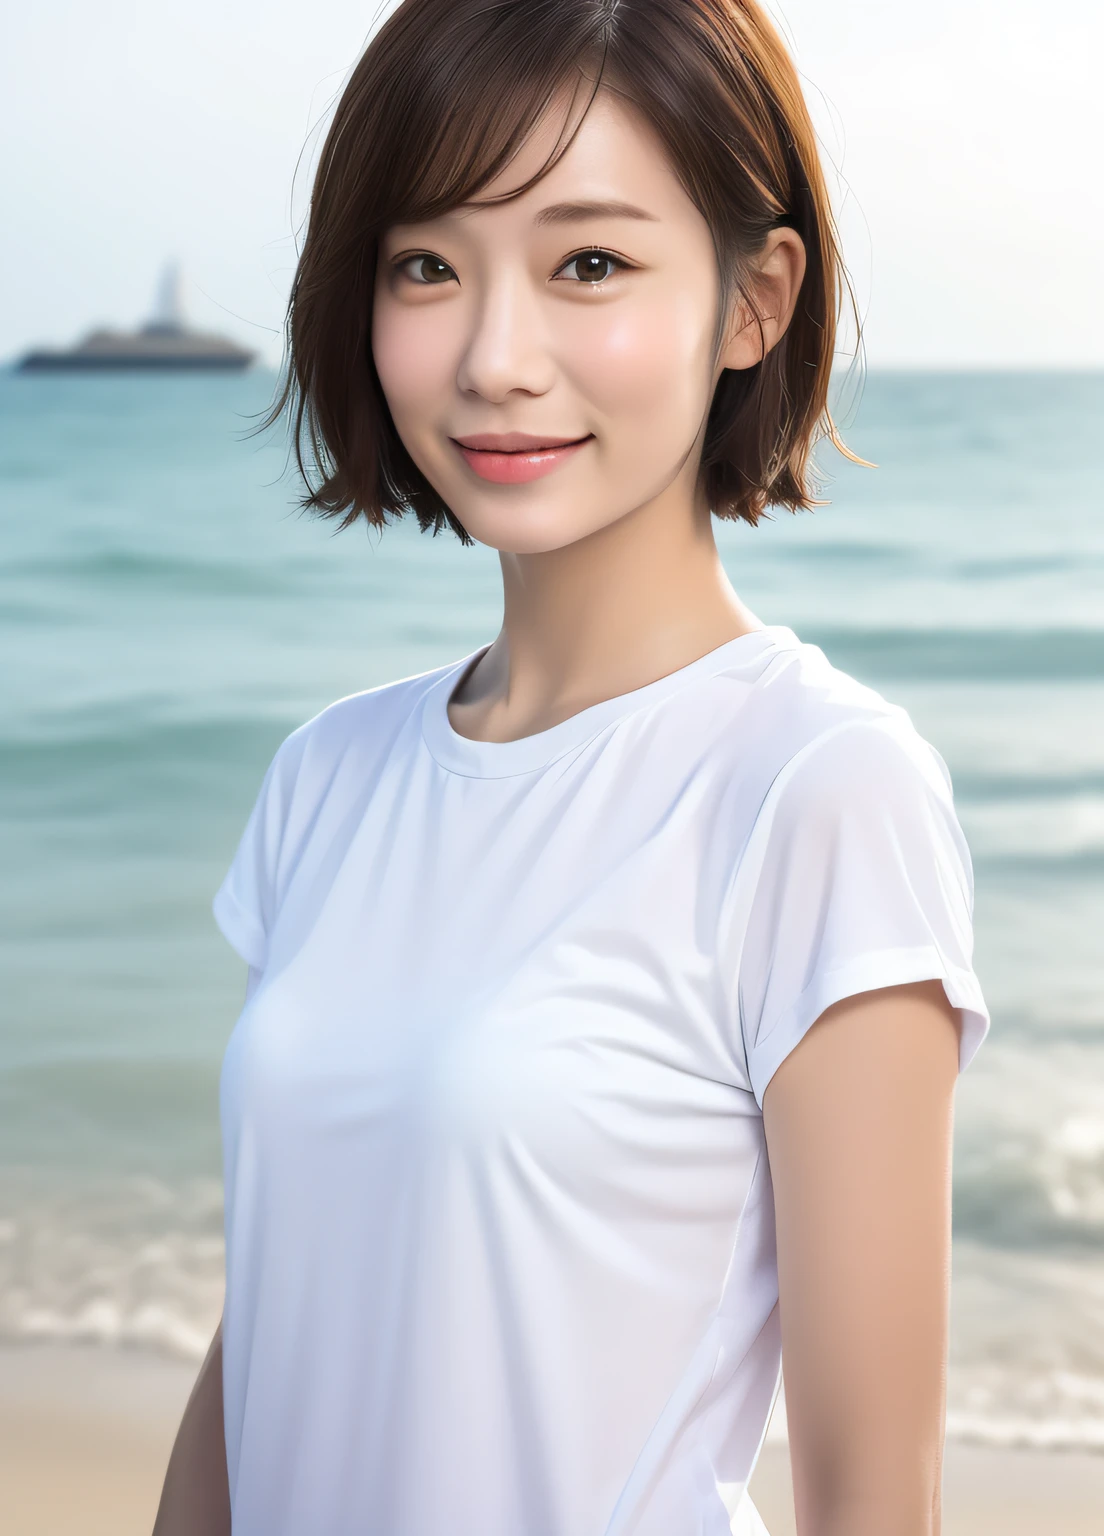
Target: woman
609	985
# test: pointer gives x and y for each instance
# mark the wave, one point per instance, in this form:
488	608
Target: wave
67	1114
99	768
1026	1358
1077	1426
1084	1432
965	655
1031	564
1076	865
1022	1208
1029	1156
110	570
136	1262
975	785
157	1328
1023	1026
139	1264
843	555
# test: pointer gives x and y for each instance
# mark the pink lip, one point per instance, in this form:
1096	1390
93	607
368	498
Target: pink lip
512	458
512	442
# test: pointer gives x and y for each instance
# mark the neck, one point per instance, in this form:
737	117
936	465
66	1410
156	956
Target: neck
603	615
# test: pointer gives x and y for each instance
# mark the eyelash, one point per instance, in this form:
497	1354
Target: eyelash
618	262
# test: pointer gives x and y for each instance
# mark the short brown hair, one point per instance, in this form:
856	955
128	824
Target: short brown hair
437	106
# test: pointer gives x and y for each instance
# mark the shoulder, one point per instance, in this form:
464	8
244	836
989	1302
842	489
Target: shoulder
850	794
855	875
821	739
322	775
356	729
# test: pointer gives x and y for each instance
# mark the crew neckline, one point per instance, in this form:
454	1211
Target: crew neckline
525	754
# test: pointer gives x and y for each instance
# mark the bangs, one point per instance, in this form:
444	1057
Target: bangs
466	100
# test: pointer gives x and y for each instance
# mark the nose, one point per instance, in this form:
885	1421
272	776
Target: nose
507	346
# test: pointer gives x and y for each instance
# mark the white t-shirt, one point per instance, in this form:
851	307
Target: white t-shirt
499	1218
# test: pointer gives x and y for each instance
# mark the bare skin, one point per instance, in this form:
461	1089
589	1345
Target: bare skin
483	324
858	1121
195	1499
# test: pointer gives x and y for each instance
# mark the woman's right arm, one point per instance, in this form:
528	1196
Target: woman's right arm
195	1500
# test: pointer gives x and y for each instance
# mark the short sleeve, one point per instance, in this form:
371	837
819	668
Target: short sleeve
856	876
244	903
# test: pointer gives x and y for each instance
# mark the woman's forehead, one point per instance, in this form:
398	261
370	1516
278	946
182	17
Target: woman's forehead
614	169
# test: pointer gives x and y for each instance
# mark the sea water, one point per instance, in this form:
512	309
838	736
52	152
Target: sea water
167	616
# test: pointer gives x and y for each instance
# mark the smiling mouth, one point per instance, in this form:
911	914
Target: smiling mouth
514	458
515	442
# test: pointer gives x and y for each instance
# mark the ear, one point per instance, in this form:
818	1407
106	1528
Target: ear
759	316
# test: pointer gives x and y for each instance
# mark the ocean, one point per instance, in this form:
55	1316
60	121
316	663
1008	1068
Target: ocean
167	616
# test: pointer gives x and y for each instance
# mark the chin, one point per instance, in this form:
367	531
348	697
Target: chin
528	532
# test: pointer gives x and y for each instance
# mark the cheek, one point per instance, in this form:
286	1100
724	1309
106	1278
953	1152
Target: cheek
646	365
410	348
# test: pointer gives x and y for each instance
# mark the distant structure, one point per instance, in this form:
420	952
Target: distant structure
164	343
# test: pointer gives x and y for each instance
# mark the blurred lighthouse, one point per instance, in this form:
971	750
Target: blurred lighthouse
168	313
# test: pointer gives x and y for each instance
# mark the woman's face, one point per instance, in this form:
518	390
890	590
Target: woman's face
582	313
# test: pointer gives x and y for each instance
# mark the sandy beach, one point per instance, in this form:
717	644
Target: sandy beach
85	1433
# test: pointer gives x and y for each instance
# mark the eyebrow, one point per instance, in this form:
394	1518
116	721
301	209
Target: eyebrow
566	213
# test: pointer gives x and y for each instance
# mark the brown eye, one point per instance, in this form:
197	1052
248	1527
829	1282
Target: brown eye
426	269
593	266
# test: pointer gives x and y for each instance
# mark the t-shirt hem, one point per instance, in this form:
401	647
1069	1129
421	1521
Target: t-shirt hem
885	968
242	932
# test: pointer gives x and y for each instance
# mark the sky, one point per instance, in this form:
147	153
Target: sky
963	139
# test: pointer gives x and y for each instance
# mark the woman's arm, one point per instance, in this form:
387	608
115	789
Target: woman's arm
858	1121
195	1500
